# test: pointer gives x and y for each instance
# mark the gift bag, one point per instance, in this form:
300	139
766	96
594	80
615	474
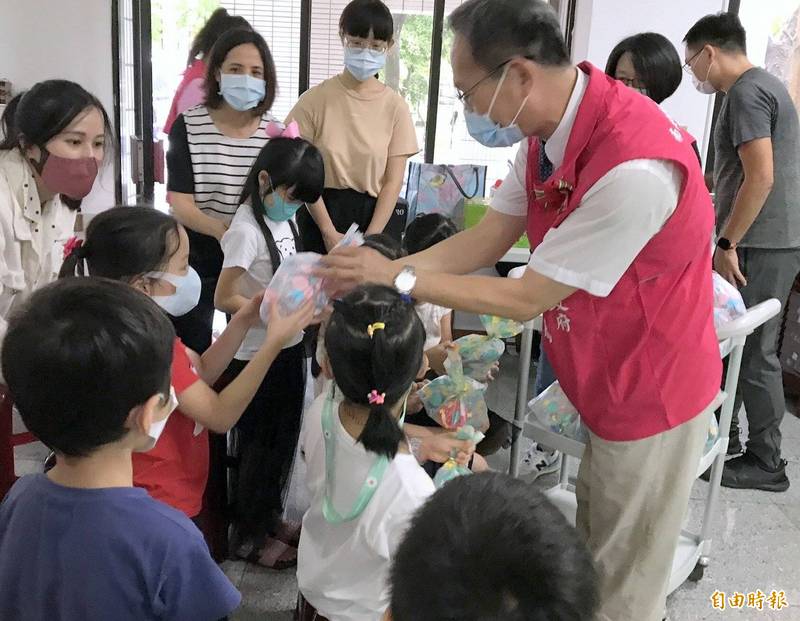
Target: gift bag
454	400
479	352
440	188
553	410
728	302
294	282
451	468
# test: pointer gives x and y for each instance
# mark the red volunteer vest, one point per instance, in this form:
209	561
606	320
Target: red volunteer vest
644	359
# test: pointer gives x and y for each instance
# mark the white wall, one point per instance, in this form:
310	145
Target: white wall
601	24
69	39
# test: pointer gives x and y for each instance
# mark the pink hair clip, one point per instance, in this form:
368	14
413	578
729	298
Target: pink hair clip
71	245
376	398
277	130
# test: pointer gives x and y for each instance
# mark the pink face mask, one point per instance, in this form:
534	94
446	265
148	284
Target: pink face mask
72	178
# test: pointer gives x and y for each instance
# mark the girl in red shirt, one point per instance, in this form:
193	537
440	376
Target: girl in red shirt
150	250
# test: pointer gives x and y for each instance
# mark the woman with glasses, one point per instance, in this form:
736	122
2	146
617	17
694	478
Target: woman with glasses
647	62
363	129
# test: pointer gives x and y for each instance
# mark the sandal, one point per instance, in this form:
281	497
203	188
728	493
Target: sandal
289	532
275	555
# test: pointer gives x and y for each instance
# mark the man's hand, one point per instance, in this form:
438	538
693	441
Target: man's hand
347	268
726	264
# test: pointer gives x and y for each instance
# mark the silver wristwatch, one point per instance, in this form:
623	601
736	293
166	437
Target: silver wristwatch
405	281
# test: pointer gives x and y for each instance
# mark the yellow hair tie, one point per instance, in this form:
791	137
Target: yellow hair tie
372	328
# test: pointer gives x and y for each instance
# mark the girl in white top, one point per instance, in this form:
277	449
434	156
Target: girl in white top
287	173
54	138
365	484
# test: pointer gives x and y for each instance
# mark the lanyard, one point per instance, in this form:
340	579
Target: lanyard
368	488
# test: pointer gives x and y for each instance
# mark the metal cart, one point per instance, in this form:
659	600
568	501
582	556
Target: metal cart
693	549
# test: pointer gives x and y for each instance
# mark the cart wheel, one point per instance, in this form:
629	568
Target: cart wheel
697	573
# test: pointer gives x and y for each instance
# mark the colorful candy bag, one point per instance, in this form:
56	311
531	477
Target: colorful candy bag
479	352
294	282
454	399
451	468
728	302
554	411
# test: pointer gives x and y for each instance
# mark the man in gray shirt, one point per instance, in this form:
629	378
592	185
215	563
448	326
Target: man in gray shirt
757	185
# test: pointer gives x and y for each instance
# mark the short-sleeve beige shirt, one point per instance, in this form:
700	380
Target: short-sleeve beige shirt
356	133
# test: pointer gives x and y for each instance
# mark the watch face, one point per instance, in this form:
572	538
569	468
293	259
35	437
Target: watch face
405	281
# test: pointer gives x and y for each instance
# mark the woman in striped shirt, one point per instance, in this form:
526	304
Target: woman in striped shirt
211	150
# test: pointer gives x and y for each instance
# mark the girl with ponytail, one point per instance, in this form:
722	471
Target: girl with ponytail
365	484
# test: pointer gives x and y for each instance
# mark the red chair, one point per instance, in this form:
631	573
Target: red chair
8	440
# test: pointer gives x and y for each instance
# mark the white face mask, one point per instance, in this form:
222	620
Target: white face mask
704	86
157	428
187	292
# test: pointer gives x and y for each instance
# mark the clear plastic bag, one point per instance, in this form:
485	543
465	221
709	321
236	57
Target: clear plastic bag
454	399
479	352
713	433
294	283
554	411
728	302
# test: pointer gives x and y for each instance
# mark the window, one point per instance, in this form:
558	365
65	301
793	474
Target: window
408	62
278	21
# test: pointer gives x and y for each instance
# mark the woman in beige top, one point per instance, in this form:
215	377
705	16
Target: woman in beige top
363	129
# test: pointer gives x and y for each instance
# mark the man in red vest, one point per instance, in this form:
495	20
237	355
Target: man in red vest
615	207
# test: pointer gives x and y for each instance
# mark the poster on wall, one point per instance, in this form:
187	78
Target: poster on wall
773	39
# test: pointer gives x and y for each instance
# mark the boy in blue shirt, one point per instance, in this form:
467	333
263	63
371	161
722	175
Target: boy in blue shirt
88	362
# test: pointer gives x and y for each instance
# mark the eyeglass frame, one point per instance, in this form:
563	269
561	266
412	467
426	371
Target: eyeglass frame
381	46
462	96
687	66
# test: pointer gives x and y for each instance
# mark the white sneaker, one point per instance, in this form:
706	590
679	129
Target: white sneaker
537	462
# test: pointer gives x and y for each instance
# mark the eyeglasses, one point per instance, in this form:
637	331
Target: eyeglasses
463	95
632	83
375	46
687	66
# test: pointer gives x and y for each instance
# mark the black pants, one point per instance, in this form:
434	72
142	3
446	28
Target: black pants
194	328
265	440
346	207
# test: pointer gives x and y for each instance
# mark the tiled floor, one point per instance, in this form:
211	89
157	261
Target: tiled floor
756	543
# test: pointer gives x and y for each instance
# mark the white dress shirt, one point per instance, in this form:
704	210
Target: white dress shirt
615	219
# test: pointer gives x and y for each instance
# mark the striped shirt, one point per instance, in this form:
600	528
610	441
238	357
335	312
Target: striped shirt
213	167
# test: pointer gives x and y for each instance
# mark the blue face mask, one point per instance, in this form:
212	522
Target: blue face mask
363	63
186	296
490	134
280	210
242	92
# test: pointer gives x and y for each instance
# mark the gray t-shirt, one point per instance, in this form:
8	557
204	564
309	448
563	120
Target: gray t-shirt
759	106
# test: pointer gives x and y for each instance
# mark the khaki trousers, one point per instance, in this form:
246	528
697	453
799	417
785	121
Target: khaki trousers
632	500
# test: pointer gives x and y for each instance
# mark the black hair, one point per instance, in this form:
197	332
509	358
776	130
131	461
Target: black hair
499	30
124	243
219	22
362	18
293	163
79	355
36	116
656	61
722	30
386	362
427	230
387	245
226	42
507	552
